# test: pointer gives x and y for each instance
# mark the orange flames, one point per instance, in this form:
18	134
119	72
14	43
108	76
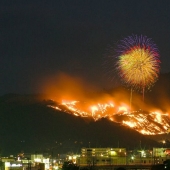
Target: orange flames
101	104
148	123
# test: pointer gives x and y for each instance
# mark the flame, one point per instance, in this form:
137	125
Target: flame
122	108
148	123
130	124
94	109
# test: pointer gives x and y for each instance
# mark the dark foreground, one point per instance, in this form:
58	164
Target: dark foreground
126	167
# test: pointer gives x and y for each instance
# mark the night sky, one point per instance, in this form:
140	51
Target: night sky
42	38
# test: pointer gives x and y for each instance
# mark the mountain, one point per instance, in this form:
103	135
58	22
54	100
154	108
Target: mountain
28	124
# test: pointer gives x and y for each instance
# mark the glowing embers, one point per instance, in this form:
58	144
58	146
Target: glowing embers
86	110
130	124
149	123
100	110
73	107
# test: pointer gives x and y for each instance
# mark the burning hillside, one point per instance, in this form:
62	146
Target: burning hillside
75	96
148	123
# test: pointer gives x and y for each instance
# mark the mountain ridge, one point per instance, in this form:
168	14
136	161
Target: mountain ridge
34	126
27	124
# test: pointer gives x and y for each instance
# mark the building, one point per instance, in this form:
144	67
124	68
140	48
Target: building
89	157
102	156
120	156
160	155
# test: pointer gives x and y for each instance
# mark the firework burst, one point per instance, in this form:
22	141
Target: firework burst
138	62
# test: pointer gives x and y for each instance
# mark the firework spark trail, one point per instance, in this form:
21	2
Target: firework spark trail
148	123
138	62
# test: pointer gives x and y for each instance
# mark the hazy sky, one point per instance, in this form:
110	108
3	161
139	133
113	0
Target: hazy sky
41	38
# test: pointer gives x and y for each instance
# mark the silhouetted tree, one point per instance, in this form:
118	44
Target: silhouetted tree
120	168
69	165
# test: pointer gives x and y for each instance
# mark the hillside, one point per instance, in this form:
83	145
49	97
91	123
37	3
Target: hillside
28	124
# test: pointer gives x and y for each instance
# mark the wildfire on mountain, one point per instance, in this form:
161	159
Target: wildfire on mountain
145	122
75	96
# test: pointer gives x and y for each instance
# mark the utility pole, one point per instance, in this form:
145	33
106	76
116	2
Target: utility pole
52	159
29	165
